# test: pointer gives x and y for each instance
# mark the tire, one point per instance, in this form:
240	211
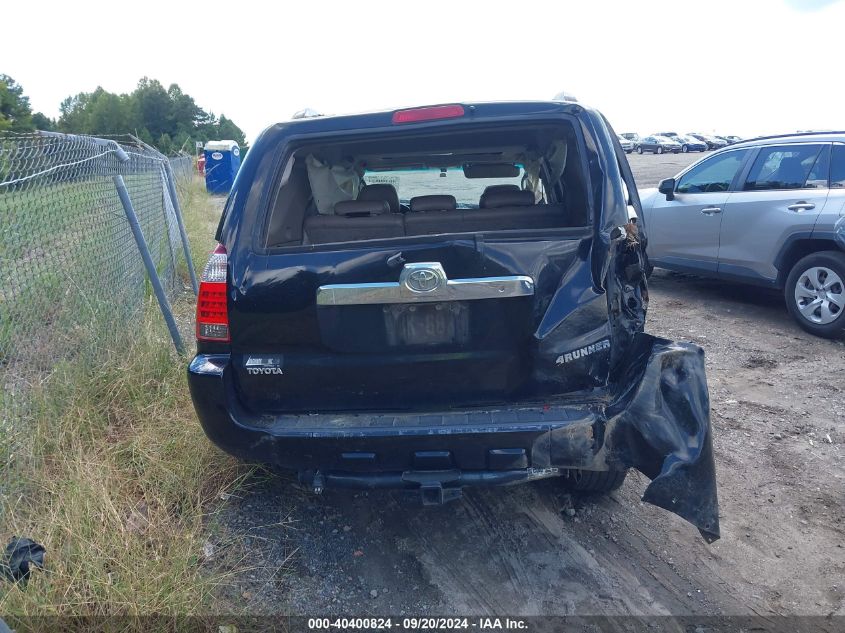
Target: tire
639	150
818	279
596	481
685	148
659	150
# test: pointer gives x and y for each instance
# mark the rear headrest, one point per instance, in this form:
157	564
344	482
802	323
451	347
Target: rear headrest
500	188
518	198
361	207
492	189
434	203
791	171
381	191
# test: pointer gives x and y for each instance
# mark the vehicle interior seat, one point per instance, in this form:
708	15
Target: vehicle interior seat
505	198
507	207
433	214
791	173
354	220
492	190
433	203
381	191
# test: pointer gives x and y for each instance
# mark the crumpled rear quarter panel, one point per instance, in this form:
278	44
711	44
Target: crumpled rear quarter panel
660	425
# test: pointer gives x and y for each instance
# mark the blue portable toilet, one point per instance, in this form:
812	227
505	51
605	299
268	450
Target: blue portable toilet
222	160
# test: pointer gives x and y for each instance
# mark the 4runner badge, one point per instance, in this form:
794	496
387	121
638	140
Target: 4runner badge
568	357
267	366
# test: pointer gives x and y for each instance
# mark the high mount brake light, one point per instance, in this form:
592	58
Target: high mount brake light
430	113
212	313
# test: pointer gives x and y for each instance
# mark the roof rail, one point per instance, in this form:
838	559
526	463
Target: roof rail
809	133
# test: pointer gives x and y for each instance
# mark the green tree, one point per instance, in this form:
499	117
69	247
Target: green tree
152	106
169	119
74	114
228	130
165	144
221	129
185	113
42	122
15	113
108	113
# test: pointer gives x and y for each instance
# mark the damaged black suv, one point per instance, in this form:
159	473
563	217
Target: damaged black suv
442	297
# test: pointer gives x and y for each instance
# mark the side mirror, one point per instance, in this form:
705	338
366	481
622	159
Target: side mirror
667	188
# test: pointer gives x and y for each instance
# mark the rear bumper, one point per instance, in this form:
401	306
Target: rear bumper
655	419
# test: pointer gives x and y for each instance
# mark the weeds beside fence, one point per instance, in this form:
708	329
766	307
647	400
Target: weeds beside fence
73	278
104	461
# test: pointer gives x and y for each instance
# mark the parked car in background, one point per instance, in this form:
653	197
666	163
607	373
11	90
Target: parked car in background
732	139
658	145
627	146
631	136
384	327
690	144
770	212
671	135
711	141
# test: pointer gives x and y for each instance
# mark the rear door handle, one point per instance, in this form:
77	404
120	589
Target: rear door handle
711	210
801	206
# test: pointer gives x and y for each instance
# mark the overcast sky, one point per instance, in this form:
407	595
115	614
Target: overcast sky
731	66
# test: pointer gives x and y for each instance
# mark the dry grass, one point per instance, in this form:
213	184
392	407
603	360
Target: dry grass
117	479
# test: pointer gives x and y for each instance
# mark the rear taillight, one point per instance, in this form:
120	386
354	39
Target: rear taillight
212	314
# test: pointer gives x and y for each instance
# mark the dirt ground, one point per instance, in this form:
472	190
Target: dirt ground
778	412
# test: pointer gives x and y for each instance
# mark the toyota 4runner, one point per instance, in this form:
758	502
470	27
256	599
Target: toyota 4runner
442	297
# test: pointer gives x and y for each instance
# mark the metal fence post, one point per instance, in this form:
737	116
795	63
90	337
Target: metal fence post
138	234
181	224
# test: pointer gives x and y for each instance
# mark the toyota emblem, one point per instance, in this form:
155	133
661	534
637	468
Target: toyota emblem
423	280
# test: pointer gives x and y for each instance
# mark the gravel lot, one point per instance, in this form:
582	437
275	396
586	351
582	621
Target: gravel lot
778	411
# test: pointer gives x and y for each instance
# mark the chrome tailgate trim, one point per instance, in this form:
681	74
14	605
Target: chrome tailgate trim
422	283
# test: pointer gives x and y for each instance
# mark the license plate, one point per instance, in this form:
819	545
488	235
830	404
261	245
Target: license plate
441	323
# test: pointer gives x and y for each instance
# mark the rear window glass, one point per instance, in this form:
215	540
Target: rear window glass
412	184
787	167
451	181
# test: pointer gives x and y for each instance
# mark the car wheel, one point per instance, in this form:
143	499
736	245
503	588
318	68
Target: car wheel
659	150
684	148
639	150
815	293
602	481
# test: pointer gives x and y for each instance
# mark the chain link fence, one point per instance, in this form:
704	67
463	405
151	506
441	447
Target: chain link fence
90	228
182	167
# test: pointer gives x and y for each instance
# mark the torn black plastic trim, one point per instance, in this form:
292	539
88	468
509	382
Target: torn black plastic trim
660	425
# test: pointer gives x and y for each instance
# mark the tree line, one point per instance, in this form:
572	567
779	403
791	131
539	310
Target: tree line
168	119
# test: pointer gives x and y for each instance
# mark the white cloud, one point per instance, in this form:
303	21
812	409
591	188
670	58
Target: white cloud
750	67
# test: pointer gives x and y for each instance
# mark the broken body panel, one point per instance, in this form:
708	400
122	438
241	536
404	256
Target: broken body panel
438	361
